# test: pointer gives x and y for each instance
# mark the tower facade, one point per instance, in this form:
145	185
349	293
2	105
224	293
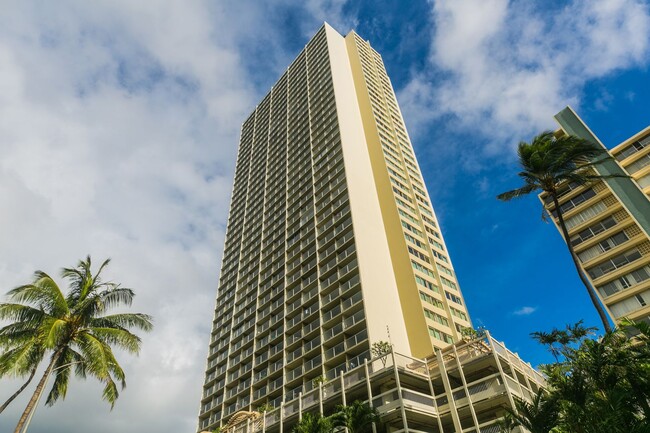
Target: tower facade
332	244
609	222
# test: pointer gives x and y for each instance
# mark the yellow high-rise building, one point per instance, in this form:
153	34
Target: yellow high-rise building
332	245
609	222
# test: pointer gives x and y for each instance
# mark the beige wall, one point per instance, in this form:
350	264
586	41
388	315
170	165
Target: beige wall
380	295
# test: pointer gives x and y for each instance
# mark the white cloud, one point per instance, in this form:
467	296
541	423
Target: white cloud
118	129
503	69
524	311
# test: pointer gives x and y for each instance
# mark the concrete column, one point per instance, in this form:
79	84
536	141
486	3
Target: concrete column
448	390
433	394
369	389
399	393
498	362
469	398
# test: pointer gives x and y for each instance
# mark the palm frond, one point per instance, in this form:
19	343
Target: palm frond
55	331
16	334
105	263
20	313
62	368
20	360
110	392
100	302
43	293
94	351
517	193
117	296
124	321
118	337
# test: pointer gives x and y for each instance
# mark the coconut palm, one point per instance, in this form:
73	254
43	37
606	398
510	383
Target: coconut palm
73	329
547	164
357	418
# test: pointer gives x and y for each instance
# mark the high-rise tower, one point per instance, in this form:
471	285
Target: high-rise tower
332	243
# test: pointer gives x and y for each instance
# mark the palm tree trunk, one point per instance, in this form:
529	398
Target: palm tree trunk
37	393
590	290
17	393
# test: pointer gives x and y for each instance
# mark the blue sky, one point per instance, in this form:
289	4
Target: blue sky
118	131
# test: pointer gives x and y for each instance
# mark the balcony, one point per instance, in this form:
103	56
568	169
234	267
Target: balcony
486	388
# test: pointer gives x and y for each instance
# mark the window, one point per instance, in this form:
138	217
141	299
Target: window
614	263
585	215
448	283
428	284
638	164
440	256
431	300
422	269
644	181
633	148
444	269
410	228
436	317
603	246
575	201
563	190
620	309
407	216
593	230
436	244
453	298
458	313
627	280
440	335
419	255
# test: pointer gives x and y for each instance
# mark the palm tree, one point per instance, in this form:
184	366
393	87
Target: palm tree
313	423
603	385
548	163
357	418
74	329
573	334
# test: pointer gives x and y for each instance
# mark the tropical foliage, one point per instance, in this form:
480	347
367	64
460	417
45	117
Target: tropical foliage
381	349
313	423
73	329
547	165
596	385
539	416
356	418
